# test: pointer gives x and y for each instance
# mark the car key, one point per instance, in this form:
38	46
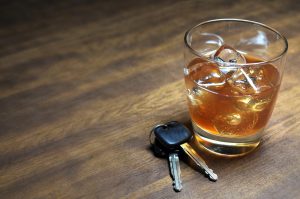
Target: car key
175	171
160	151
174	134
199	161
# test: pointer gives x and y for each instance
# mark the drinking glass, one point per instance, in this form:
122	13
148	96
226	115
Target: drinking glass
233	70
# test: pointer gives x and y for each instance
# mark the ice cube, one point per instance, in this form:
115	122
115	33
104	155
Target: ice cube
207	74
249	80
233	119
235	123
253	103
227	56
194	96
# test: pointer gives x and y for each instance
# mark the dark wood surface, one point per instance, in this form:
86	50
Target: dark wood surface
83	82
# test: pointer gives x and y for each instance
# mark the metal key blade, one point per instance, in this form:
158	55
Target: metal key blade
175	171
199	161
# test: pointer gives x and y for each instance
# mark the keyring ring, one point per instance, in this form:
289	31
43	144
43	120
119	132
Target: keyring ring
151	137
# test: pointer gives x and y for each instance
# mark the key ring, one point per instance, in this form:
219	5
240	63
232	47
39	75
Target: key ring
151	137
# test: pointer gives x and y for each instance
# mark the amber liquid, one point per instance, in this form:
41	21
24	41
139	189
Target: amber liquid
231	110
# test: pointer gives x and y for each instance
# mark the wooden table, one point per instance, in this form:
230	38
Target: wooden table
83	82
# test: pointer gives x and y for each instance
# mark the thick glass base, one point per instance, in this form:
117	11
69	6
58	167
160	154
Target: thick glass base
225	146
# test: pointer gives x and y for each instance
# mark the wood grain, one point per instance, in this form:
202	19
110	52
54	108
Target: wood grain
83	82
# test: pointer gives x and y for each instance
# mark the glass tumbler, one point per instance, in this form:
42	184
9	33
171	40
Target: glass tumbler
233	70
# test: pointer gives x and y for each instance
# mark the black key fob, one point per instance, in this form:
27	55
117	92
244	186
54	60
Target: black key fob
172	135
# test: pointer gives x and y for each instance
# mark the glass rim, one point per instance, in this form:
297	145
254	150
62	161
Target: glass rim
195	52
